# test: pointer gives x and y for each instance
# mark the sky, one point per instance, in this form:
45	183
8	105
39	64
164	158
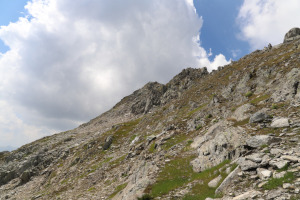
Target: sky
65	62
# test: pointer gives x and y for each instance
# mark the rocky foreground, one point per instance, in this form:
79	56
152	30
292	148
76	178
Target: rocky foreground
233	133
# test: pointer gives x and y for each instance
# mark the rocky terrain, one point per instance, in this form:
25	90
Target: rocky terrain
233	133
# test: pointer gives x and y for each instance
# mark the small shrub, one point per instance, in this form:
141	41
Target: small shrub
209	116
199	126
276	106
145	197
249	94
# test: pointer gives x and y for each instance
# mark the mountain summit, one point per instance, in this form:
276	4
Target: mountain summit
233	133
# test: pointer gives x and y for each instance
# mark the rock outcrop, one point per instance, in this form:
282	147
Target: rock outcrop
233	133
293	34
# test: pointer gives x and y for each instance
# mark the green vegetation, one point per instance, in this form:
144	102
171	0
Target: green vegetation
276	182
117	161
145	197
285	168
276	106
249	94
241	123
196	110
122	130
199	126
209	116
179	172
174	140
97	166
91	189
118	189
259	99
152	148
264	146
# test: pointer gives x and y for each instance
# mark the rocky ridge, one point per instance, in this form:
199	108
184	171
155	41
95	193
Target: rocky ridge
229	134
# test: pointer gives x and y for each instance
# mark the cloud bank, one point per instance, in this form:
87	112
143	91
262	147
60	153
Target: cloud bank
69	61
267	21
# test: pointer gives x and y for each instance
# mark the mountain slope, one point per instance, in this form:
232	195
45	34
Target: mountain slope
232	132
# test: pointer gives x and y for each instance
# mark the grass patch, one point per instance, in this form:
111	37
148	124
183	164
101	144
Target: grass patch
124	129
175	140
118	189
117	161
241	123
91	189
264	146
259	99
152	148
248	94
179	172
196	110
277	106
276	182
97	166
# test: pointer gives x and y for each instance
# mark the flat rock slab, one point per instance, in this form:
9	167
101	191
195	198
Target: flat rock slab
259	140
247	164
263	174
291	158
214	183
278	164
280	123
247	195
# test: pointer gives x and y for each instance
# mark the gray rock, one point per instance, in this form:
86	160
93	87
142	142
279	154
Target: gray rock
292	34
247	164
218	144
248	195
228	180
280	123
25	177
276	151
274	194
259	116
263	174
259	140
288	186
291	158
278	164
242	112
108	142
255	157
214	183
279	174
151	138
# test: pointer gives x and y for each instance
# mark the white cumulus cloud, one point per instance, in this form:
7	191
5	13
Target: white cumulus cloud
69	61
267	21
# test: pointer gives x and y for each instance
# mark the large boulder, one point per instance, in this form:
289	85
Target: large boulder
259	116
280	122
259	140
108	142
221	142
293	34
